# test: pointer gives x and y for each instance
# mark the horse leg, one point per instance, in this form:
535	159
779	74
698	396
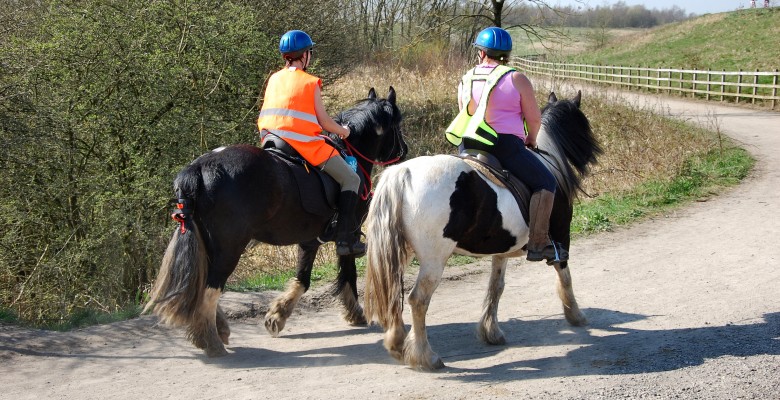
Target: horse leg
346	289
395	331
570	308
282	307
417	350
488	330
210	329
203	329
223	328
395	336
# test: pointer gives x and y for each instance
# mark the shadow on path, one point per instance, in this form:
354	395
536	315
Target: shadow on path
621	351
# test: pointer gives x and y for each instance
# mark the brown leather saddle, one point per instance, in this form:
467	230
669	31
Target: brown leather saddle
318	191
489	166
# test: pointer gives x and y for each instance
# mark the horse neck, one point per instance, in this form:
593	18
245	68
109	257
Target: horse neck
555	160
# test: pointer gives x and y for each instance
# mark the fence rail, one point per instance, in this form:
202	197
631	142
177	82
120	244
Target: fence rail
747	86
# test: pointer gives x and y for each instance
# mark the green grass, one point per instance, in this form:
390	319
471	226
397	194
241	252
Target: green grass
699	178
744	40
325	273
320	274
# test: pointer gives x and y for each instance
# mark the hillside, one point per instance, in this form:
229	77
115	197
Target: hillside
746	39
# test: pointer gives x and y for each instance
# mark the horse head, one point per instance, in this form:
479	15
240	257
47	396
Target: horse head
376	129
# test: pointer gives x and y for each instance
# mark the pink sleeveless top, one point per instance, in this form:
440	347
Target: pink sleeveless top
504	112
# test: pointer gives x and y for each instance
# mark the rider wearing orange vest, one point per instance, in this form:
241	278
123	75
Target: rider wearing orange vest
293	111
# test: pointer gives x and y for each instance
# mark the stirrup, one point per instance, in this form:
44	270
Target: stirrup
554	253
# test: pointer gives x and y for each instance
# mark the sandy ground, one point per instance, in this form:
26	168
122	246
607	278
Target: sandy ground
680	306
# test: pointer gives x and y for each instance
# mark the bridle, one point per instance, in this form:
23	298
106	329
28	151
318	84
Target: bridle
396	140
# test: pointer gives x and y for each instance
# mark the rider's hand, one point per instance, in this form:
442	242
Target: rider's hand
349	131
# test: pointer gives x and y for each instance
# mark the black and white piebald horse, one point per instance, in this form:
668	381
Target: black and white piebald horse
433	207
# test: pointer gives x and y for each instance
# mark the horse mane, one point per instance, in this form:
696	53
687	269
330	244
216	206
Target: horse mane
367	113
569	137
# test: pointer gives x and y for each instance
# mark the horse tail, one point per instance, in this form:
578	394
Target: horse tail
179	288
387	250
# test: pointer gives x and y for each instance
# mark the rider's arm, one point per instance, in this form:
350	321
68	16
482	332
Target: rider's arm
531	113
460	102
324	119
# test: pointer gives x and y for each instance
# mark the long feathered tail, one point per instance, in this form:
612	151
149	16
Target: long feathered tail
387	251
179	288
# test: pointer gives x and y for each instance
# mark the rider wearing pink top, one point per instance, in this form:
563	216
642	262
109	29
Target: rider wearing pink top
513	114
505	110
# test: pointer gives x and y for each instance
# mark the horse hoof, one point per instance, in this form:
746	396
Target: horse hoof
435	363
579	320
274	326
398	355
356	320
213	352
496	341
224	336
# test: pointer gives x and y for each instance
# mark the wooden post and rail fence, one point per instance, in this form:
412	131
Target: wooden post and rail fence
737	86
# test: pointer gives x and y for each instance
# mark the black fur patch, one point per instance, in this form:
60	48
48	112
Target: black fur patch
475	221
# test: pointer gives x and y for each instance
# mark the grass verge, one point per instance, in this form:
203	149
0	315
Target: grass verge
699	178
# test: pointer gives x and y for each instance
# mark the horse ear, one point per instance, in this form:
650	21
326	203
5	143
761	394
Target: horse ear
391	96
372	94
578	98
552	98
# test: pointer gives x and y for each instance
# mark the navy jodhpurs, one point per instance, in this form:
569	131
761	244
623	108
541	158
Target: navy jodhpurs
518	160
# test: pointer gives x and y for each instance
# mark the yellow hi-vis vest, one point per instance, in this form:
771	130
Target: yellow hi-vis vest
474	126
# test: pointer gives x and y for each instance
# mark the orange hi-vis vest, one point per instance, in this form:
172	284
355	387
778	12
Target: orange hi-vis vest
288	112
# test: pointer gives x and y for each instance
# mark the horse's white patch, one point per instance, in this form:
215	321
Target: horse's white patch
218	149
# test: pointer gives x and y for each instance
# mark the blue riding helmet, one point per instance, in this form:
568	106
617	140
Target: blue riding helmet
496	42
294	43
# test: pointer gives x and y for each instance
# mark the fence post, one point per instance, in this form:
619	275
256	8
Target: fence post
722	83
682	94
602	76
739	85
774	90
669	83
709	86
755	87
693	85
658	80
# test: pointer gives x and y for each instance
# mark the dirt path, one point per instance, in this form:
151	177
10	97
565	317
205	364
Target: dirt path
679	306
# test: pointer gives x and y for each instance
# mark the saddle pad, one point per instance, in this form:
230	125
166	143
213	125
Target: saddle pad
318	191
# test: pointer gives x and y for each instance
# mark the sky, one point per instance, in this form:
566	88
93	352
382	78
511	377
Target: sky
690	6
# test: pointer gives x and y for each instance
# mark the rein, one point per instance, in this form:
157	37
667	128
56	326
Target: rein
350	149
381	163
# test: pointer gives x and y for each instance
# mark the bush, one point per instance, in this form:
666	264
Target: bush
102	103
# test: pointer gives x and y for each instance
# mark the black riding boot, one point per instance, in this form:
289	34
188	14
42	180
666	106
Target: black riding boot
347	240
540	247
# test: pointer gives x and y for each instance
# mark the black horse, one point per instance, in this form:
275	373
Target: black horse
233	195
